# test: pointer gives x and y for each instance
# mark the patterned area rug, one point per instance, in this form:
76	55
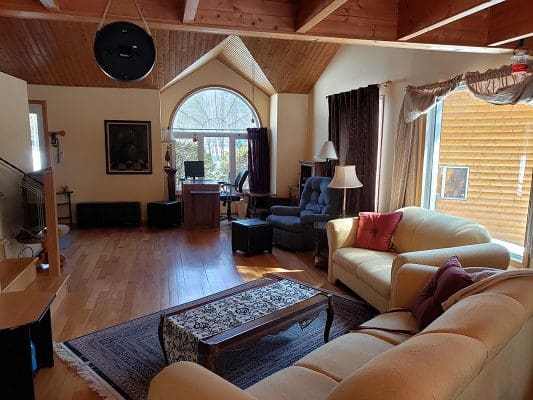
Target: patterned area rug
119	362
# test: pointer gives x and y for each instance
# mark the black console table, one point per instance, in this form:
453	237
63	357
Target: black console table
24	320
102	214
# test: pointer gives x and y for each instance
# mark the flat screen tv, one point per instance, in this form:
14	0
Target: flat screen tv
194	169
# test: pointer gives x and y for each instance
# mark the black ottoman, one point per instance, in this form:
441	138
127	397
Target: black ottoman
251	236
164	214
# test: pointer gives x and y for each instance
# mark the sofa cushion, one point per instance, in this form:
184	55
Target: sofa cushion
433	366
287	223
375	230
371	266
422	229
295	383
387	323
488	317
448	279
519	289
342	356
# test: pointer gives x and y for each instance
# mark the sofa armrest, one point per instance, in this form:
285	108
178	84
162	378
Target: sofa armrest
311	219
490	255
286	211
410	279
341	233
190	381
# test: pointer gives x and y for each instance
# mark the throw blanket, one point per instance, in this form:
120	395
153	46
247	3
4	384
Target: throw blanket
485	283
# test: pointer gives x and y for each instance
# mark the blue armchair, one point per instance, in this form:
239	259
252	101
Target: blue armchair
294	226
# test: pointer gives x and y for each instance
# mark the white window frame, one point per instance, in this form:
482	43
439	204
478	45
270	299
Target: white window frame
201	134
431	169
201	150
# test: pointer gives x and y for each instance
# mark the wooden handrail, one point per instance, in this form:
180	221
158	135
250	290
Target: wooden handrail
52	234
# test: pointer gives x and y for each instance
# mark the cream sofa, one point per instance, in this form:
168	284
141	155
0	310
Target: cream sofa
422	237
480	348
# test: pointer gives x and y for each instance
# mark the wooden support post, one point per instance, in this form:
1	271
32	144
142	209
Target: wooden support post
52	234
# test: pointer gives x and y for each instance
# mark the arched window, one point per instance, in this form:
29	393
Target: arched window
210	125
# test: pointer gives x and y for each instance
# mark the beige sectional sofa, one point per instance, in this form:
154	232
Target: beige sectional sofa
422	237
480	348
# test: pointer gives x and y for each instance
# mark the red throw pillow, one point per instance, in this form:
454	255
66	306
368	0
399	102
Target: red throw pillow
375	230
449	278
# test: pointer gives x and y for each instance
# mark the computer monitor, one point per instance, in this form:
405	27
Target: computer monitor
194	169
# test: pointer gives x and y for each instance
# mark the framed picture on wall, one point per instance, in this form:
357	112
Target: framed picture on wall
128	147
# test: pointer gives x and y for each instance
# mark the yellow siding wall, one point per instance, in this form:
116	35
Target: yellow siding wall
496	143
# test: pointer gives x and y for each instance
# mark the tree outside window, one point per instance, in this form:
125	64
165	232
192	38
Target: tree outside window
210	125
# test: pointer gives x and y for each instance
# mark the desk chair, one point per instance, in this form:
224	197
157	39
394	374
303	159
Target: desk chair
230	193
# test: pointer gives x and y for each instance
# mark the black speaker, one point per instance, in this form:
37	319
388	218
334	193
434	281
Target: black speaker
124	51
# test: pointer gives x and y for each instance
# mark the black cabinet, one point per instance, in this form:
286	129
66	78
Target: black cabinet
103	214
164	214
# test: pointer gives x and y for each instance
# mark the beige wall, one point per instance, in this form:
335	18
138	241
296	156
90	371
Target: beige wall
15	142
288	123
81	112
358	66
212	74
15	147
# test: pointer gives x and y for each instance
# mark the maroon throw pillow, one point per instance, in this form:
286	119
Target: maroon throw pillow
449	278
375	230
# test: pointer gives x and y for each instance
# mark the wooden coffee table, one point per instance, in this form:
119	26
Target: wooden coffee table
245	334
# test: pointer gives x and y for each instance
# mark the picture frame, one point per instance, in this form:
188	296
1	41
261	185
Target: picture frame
128	147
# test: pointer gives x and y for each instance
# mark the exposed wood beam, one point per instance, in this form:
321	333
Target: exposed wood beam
416	17
51	4
510	21
191	6
468	31
167	14
311	12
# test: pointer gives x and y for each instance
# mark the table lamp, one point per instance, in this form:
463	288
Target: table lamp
327	151
345	177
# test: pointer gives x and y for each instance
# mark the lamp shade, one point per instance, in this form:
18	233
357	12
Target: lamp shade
327	151
345	177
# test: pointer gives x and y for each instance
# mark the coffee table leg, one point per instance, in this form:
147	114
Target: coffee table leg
329	320
211	360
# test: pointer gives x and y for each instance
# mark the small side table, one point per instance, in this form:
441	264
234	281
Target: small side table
321	251
24	319
164	214
251	236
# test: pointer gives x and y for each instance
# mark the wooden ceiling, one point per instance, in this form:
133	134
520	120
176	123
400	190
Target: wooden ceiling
405	23
292	41
61	53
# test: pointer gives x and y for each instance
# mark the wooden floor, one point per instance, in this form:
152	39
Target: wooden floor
120	274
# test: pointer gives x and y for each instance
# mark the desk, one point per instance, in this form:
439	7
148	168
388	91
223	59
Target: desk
24	317
201	204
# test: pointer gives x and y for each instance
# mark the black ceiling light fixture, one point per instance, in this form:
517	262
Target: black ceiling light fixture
124	51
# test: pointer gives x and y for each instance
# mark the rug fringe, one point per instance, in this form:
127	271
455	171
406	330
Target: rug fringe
83	369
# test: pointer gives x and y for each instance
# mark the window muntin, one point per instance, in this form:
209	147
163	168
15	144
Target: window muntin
214	110
496	144
210	125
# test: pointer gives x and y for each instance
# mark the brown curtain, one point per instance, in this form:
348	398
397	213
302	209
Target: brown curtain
258	160
353	129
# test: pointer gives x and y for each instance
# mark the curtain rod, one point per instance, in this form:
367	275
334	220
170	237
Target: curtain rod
382	84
